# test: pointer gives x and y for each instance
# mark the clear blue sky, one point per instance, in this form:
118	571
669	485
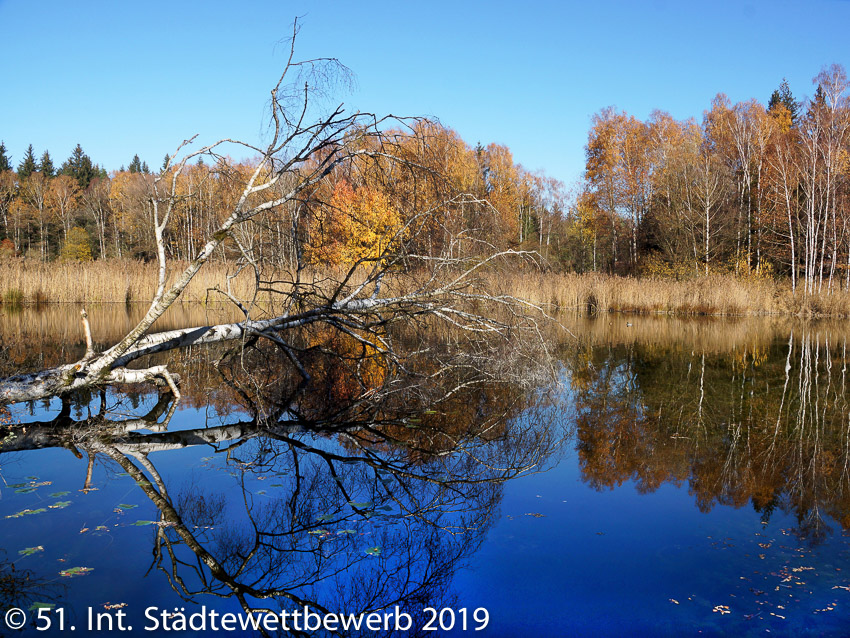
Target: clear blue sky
138	77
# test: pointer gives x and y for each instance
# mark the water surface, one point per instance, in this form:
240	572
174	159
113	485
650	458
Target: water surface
656	477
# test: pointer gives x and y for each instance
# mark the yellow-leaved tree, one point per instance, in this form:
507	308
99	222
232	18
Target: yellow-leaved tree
356	224
77	246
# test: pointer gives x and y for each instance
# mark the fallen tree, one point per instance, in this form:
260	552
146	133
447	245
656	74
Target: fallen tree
403	276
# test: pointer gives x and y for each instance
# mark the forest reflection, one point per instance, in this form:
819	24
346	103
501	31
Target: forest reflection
365	489
749	413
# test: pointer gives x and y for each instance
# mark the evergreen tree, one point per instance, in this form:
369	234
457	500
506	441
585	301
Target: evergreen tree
135	164
46	165
145	168
5	160
783	96
165	162
28	165
80	167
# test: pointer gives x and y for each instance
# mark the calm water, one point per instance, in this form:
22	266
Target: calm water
655	478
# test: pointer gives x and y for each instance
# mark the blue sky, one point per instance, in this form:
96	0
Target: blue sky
123	78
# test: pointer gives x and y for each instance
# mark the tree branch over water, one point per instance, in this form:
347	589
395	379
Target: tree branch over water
419	258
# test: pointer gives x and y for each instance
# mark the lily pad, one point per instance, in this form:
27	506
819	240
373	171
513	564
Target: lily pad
140	523
59	505
360	506
29	551
27	512
76	571
126	506
37	606
374	551
59	494
319	531
325	517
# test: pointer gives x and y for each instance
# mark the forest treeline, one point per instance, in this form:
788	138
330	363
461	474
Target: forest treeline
351	214
750	189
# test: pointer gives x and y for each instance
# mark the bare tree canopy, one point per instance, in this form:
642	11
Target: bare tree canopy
425	263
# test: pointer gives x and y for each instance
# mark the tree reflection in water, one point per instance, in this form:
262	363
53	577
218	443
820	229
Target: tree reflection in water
363	490
761	423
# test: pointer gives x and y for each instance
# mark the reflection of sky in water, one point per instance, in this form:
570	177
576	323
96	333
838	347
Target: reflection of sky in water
562	558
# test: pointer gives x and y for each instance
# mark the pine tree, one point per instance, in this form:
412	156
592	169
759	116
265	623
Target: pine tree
46	165
783	96
135	164
5	160
165	162
28	165
80	167
145	168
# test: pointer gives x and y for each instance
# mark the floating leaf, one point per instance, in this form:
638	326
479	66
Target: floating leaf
261	492
25	490
374	551
143	483
29	551
101	528
126	506
59	494
140	523
27	512
59	505
319	531
325	517
347	531
76	571
277	484
360	506
37	606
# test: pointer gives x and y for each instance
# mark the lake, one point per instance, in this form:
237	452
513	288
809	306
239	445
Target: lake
638	476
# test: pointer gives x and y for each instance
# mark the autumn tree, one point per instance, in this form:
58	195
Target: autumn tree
77	245
8	191
63	195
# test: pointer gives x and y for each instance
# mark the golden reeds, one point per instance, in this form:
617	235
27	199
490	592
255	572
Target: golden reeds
30	282
721	295
24	281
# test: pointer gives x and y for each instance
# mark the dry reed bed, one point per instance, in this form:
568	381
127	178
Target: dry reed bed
720	295
28	282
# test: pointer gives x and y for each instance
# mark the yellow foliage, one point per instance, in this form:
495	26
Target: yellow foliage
77	247
357	224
